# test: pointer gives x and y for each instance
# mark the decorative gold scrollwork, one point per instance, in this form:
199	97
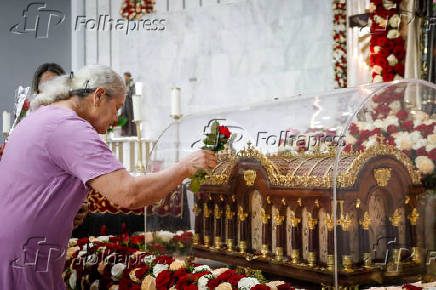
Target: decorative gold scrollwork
395	218
229	213
217	212
294	220
249	177
242	216
366	221
265	217
413	217
345	222
278	219
382	176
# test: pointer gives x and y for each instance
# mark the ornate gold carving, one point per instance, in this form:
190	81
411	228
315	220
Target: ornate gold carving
268	199
278	219
366	221
330	262
345	222
311	259
367	260
330	223
264	251
311	222
265	217
407	199
283	201
207	212
347	262
229	246
316	203
294	220
242	247
217	243
279	254
242	216
295	256
358	203
206	241
195	239
217	212
395	218
382	176
196	210
249	177
299	202
229	213
413	217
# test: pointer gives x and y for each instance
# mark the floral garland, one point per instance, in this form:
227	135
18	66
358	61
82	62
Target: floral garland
131	9
340	42
386	44
105	263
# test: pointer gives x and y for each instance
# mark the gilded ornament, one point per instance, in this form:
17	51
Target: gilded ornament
382	176
330	223
196	210
278	219
366	221
294	220
395	218
217	212
311	221
249	177
206	211
229	213
265	217
413	217
242	216
345	222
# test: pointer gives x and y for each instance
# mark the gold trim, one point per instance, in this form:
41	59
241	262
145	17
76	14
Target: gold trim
330	223
206	241
196	210
367	260
242	247
395	218
413	217
265	216
217	243
249	177
311	259
242	216
217	212
229	213
207	212
295	256
347	262
195	239
345	222
264	251
331	262
366	221
229	246
278	219
279	254
311	222
294	220
382	176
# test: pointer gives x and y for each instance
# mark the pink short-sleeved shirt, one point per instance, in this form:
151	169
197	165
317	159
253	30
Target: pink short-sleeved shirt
48	160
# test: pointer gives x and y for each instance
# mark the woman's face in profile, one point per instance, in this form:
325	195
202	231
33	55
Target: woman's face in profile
47	75
105	112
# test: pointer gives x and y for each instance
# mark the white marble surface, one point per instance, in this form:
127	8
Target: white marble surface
223	54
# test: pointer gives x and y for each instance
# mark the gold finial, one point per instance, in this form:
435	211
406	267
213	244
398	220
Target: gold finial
395	218
366	221
206	210
407	199
316	203
268	199
217	212
299	202
358	203
196	210
311	221
413	217
294	220
265	216
229	213
345	222
242	216
283	201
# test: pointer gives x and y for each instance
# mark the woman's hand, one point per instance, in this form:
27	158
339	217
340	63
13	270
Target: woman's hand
199	159
81	215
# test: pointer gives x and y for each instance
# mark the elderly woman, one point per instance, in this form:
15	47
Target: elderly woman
51	159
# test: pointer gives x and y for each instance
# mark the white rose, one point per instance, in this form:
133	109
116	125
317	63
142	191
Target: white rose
165	236
73	279
392	60
419	143
421	116
393	120
415	136
377	69
430	147
247	283
177	264
397	77
350	140
117	271
393	33
224	286
159	268
201	268
394	21
372	7
379	123
431	139
424	164
148	259
403	141
377	50
365	126
273	284
389	4
95	285
219	271
202	282
377	79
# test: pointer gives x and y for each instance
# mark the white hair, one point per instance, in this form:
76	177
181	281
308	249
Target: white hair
90	77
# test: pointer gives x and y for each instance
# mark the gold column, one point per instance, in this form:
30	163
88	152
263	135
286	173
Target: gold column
206	215
217	215
229	218
242	217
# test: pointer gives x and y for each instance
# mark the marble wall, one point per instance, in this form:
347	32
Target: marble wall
220	53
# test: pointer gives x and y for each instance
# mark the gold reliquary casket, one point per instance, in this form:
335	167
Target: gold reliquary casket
275	213
329	188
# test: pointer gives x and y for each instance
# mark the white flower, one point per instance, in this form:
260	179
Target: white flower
201	268
392	60
420	116
73	279
372	7
377	69
273	284
102	239
377	50
117	271
379	123
224	286
403	141
377	79
95	285
395	107
350	140
424	164
431	139
419	143
219	271
202	282
389	4
247	283
394	21
365	126
415	136
397	77
392	120
371	141
177	264
148	259
393	33
159	268
165	236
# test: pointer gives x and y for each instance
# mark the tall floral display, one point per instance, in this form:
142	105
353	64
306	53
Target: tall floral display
135	9
340	42
386	45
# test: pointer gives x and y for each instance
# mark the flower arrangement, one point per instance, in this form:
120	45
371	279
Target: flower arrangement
386	44
102	263
340	42
135	9
214	141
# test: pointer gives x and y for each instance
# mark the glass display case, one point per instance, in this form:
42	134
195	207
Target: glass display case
336	189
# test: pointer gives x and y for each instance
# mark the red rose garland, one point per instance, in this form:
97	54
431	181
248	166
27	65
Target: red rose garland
387	52
340	42
131	9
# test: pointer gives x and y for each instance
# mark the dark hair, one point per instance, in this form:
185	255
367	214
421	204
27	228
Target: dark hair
128	74
53	67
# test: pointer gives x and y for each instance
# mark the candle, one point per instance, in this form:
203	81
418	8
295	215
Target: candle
137	101
6	122
138	88
175	102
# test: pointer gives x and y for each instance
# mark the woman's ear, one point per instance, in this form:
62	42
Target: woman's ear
98	96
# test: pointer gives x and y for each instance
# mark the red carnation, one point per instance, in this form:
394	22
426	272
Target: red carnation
425	129
383	110
26	105
408	125
260	287
138	239
235	279
399	52
402	115
432	154
390	141
421	151
399	68
392	129
388	76
164	280
225	131
140	274
163	260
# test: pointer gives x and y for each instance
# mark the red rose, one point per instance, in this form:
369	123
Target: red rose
235	279
383	110
211	284
408	125
225	131
140	274
260	287
425	129
390	141
286	286
399	52
407	152
186	237
353	129
421	151
180	273
164	280
26	105
163	260
388	76
402	115
138	240
432	154
392	129
399	68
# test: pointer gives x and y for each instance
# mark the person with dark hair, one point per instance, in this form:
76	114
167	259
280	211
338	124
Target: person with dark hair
128	129
43	73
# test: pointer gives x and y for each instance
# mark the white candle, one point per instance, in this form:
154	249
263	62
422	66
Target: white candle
6	122
138	88
137	102
175	102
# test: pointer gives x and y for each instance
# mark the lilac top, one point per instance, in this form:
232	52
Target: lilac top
47	162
